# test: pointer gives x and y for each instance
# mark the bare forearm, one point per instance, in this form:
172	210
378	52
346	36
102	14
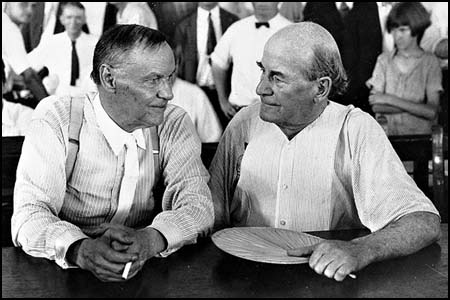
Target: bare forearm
220	80
423	110
407	235
386	109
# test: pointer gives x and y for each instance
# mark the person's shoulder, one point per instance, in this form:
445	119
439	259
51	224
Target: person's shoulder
246	117
430	58
53	109
226	14
360	123
242	24
172	114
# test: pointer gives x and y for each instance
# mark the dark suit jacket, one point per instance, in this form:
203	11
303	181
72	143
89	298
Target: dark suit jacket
359	40
186	43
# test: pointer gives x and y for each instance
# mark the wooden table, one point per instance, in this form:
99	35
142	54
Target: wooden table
203	270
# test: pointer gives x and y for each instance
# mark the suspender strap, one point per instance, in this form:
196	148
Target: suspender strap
155	145
75	122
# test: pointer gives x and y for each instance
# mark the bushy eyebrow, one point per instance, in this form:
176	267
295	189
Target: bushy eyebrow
154	74
271	73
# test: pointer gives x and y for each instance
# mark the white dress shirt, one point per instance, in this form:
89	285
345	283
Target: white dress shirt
243	45
55	53
13	46
50	214
122	142
195	102
15	118
339	172
204	73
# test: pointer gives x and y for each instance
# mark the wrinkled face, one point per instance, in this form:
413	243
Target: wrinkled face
403	38
73	19
143	85
20	12
286	95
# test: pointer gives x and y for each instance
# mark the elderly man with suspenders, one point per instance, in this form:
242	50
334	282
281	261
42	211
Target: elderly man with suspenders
85	192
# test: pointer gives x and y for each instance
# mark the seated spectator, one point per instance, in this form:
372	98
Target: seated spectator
195	102
406	82
67	55
15	117
14	54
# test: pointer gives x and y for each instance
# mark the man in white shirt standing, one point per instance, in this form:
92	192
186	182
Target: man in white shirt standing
67	55
242	45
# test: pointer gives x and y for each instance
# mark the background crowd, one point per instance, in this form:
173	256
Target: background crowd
396	59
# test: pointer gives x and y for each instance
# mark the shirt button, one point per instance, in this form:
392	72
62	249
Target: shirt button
282	222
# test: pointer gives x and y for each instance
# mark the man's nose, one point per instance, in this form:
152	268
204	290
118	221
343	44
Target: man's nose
263	87
165	91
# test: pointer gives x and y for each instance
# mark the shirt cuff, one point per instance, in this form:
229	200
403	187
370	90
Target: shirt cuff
173	236
62	244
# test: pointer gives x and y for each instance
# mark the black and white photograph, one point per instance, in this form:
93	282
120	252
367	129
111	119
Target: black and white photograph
224	150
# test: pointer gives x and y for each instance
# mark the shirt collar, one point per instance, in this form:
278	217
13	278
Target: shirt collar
276	19
203	13
115	135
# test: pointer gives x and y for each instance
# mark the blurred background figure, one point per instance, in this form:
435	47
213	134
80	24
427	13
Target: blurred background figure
293	11
196	103
196	37
406	83
169	14
240	47
135	13
357	29
239	9
22	78
67	55
15	116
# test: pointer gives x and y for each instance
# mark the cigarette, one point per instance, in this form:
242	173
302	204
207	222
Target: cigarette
127	269
351	275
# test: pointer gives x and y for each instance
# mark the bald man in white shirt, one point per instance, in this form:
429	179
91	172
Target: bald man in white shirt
299	161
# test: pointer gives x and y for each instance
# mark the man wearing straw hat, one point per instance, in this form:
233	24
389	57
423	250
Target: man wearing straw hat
299	161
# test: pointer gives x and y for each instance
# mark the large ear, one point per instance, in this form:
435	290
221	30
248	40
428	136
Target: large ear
323	89
107	79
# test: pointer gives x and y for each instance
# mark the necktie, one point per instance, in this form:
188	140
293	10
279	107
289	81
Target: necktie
129	181
211	43
75	72
259	24
344	10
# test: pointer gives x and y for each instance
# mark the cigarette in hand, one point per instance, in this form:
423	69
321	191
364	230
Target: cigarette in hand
126	270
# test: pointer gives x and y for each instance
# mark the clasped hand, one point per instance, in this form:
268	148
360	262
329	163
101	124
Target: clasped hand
106	255
334	259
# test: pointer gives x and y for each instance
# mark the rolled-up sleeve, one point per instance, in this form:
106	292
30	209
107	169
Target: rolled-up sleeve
383	190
